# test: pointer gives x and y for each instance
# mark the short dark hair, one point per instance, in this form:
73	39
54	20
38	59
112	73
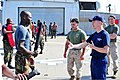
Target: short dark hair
74	20
8	20
23	13
112	16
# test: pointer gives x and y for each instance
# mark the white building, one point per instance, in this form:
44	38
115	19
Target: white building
59	11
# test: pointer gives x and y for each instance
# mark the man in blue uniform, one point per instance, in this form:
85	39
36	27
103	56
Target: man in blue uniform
99	43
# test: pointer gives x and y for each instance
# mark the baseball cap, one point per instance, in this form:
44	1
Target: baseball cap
99	18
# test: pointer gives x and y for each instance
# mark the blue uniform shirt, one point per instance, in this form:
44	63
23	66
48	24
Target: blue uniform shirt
100	40
22	34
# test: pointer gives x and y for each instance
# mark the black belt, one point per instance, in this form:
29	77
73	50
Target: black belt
75	49
98	57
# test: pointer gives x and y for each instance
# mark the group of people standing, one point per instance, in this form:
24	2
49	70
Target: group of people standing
103	45
102	42
24	57
53	29
43	32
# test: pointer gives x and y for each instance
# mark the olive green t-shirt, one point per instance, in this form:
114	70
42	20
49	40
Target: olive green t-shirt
76	37
112	29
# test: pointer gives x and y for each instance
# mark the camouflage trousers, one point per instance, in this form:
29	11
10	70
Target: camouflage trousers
53	33
22	65
74	57
41	43
114	55
8	52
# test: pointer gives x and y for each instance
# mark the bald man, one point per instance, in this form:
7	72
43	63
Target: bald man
23	58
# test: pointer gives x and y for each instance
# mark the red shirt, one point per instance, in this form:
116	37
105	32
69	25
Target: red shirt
32	27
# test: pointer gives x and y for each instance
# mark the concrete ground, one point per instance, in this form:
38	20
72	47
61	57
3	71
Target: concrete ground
52	65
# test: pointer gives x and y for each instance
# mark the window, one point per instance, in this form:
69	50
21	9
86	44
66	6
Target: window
87	5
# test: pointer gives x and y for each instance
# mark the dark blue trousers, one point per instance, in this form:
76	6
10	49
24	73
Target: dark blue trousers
99	68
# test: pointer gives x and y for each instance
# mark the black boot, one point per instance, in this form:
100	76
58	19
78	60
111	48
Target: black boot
72	78
32	67
5	60
41	52
9	64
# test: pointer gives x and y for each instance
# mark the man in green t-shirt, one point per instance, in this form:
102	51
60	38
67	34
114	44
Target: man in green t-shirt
113	30
75	36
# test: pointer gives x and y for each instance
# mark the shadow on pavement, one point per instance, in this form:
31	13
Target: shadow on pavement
82	78
112	77
85	78
1	48
60	79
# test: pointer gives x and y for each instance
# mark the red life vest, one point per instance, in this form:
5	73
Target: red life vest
33	28
10	36
37	29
